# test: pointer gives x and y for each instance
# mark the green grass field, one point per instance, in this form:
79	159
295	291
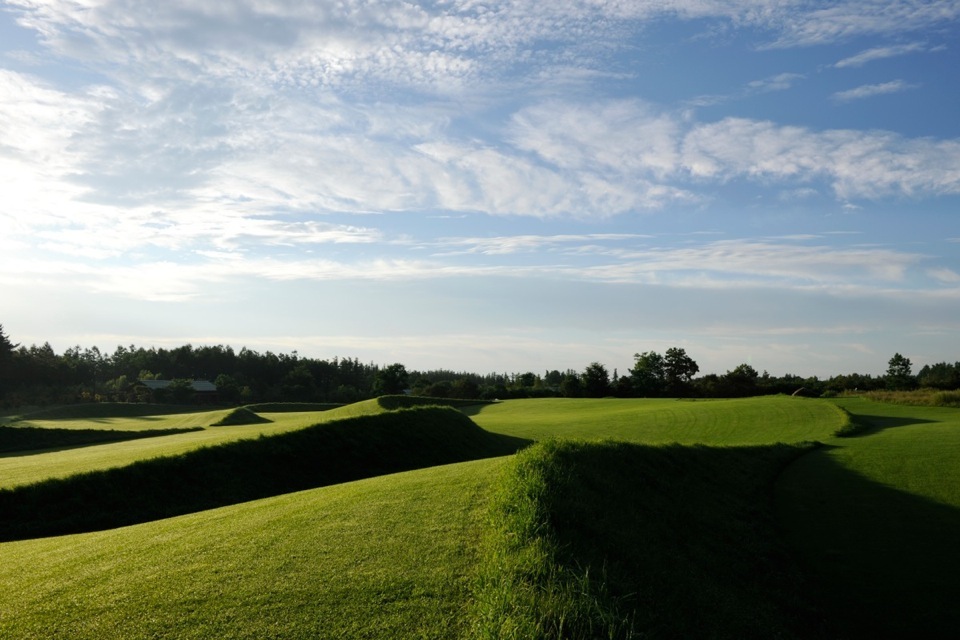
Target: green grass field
875	520
658	421
629	518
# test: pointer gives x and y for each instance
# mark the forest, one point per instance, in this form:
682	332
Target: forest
38	376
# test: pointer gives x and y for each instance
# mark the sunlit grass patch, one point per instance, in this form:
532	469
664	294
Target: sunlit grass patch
388	557
730	422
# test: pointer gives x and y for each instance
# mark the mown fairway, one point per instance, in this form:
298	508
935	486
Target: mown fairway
387	557
728	422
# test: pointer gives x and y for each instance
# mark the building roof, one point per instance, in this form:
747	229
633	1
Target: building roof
198	385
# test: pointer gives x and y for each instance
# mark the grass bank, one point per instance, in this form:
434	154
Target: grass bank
23	439
387	557
619	540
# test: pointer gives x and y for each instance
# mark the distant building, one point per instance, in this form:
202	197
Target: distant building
205	392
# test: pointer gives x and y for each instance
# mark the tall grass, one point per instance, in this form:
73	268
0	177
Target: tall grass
920	397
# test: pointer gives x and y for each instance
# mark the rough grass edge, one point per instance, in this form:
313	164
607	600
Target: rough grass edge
848	426
521	590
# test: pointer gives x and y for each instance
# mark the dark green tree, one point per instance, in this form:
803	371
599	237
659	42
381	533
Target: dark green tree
679	369
180	391
900	373
647	375
596	381
7	353
941	375
391	380
740	382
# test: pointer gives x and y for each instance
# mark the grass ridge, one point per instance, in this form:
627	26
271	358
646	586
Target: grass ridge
23	439
327	453
619	540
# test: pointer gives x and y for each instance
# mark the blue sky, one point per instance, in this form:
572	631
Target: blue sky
486	186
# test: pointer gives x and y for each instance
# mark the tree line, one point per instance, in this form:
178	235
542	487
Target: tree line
37	375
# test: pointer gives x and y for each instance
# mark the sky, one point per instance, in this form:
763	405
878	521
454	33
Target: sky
486	186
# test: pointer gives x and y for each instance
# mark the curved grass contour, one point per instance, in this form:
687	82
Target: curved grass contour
620	540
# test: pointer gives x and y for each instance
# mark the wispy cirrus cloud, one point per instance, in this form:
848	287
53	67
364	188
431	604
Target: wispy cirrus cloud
880	53
871	90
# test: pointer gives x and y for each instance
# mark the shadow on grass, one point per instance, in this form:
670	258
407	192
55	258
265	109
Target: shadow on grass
671	541
867	424
880	562
20	441
234	472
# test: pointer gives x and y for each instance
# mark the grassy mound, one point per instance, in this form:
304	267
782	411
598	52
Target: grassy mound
36	439
388	557
247	469
240	415
619	540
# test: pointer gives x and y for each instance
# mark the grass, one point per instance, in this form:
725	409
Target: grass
923	397
387	557
247	469
621	540
18	470
31	439
607	528
875	519
729	422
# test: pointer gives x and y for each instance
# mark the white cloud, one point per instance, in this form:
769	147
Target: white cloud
879	53
947	276
859	164
870	90
856	18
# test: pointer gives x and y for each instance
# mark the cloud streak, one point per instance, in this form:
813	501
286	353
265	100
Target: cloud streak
871	90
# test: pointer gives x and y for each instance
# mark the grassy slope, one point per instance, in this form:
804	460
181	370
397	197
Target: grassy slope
387	557
728	422
19	470
876	519
247	469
